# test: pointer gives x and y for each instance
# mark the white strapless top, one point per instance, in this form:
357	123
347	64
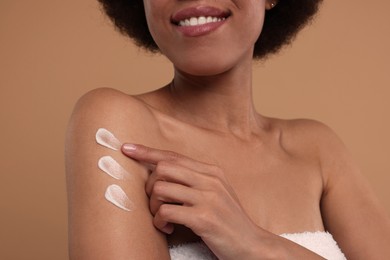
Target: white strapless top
321	243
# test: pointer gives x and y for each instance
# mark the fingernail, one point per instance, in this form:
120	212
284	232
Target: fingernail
168	229
129	148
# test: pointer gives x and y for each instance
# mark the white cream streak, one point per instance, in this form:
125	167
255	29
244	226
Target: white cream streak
118	197
107	139
108	165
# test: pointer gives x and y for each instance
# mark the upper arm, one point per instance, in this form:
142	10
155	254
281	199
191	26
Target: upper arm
97	228
350	209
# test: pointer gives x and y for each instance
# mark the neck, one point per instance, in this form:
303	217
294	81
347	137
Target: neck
222	103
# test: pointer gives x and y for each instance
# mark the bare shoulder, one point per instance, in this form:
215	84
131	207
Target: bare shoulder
309	137
111	106
321	141
307	128
129	118
318	141
98	228
348	203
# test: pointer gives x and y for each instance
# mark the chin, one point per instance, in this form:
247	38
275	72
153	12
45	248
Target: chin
205	65
207	70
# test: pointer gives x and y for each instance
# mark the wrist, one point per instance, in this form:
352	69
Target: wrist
270	246
265	245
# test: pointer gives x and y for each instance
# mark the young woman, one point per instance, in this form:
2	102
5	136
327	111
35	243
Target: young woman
200	173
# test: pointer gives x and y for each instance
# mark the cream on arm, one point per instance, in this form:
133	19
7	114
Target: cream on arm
109	216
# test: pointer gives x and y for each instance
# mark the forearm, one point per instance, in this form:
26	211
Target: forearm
270	246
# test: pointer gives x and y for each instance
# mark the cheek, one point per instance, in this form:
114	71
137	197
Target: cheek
149	16
253	22
158	24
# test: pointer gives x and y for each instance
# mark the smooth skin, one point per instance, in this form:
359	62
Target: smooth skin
208	165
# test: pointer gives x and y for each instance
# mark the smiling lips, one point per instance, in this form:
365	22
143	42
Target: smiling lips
194	21
198	21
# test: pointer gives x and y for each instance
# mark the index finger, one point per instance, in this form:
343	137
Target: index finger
154	156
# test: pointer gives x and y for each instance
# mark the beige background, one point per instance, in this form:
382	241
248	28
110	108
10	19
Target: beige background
52	51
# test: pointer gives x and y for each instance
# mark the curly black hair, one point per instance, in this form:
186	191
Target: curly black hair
281	23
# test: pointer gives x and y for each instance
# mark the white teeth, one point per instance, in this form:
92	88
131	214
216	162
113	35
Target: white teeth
194	21
202	20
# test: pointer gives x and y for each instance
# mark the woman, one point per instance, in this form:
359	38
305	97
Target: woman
202	171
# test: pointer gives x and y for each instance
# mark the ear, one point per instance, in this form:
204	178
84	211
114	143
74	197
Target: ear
269	4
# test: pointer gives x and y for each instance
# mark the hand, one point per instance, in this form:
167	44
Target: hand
197	195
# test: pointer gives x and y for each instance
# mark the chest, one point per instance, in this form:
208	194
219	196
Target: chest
279	199
280	192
